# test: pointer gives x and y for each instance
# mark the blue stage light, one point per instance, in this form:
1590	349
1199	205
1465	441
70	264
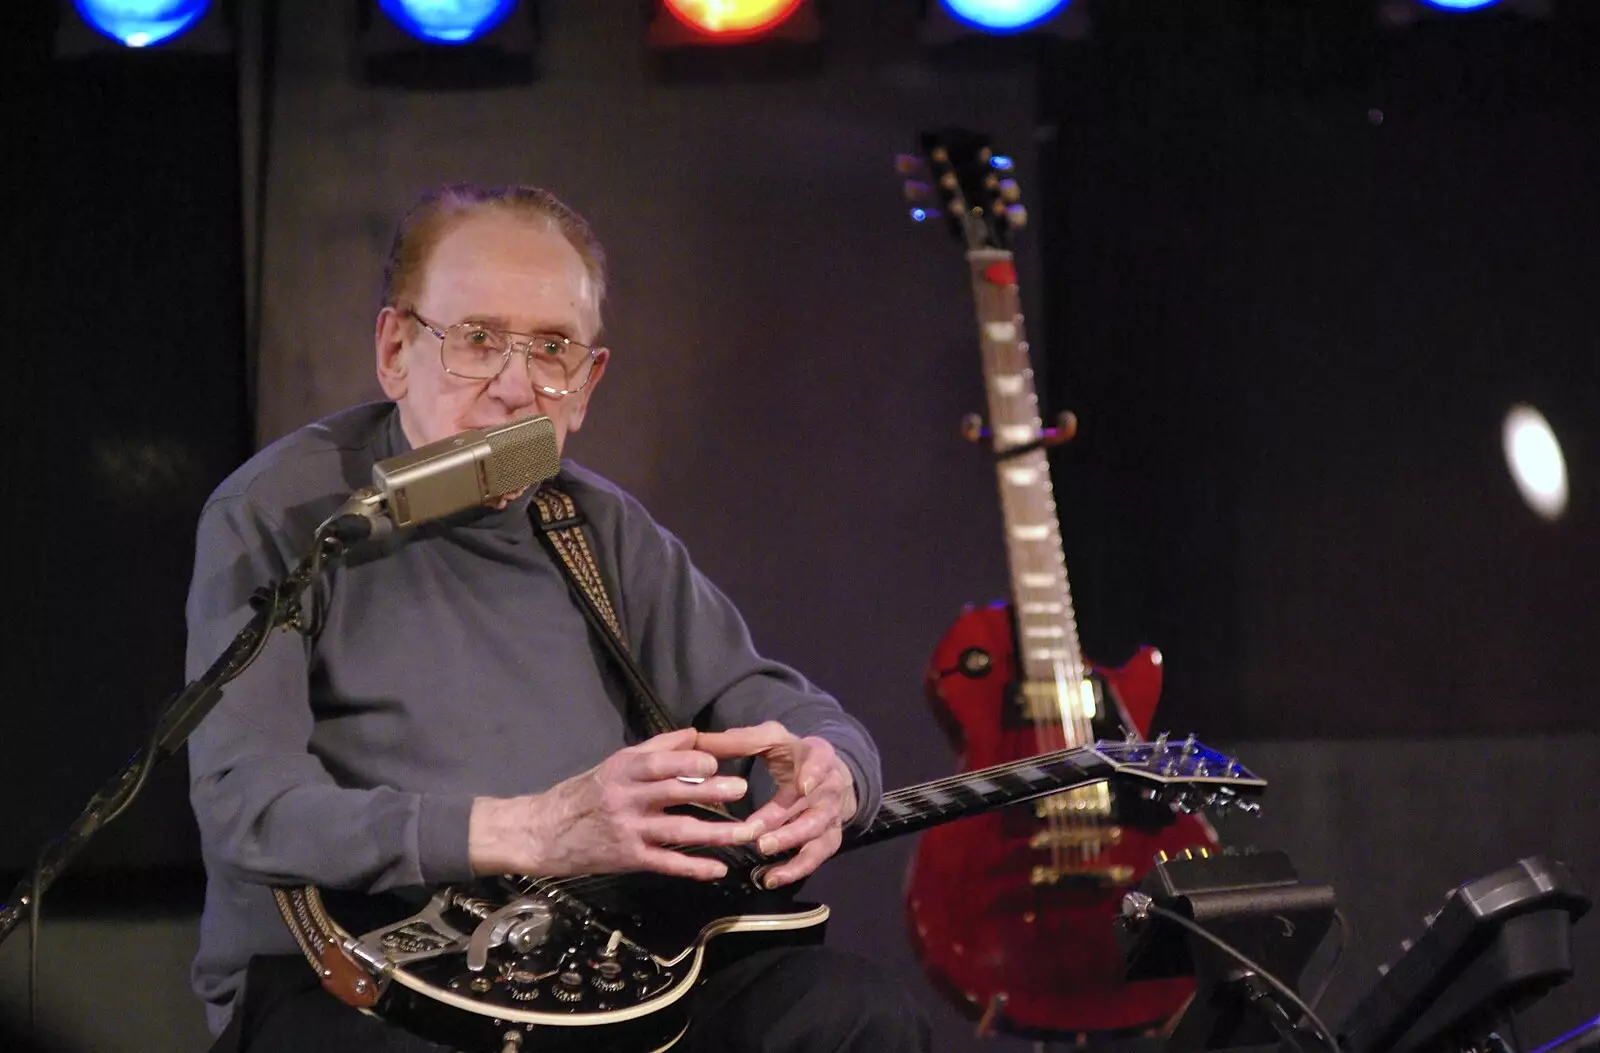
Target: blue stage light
140	23
1004	16
447	21
1461	5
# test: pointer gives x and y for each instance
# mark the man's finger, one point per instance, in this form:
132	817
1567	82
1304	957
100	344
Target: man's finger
807	826
743	742
805	862
784	806
724	789
680	763
681	739
686	830
677	864
820	762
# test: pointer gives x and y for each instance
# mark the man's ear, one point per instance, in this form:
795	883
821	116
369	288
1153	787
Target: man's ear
389	342
602	355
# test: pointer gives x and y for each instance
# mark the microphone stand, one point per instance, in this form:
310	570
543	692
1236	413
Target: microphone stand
277	605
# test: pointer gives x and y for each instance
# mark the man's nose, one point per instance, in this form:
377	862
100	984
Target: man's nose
515	383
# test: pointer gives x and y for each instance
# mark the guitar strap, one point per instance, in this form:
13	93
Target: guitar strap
560	526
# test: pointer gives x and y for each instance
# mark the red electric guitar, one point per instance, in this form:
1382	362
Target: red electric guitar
1011	914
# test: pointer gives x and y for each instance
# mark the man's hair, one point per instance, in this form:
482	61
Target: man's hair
438	211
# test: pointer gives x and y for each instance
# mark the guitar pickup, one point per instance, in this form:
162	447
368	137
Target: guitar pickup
1043	876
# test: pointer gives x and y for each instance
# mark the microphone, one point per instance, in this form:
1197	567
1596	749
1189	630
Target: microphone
468	470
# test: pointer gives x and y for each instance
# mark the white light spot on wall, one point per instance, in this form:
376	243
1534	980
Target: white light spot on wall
1534	457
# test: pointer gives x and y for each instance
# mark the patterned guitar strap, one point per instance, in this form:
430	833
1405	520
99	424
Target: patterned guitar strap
560	527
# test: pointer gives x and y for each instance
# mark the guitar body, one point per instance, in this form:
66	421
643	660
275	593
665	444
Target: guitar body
514	964
569	987
991	934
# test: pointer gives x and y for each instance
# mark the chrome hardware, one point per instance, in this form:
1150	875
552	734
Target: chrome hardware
494	929
568	986
608	976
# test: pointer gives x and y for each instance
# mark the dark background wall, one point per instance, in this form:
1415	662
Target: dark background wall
1289	270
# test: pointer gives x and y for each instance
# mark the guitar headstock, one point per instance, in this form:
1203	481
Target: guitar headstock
960	177
1185	774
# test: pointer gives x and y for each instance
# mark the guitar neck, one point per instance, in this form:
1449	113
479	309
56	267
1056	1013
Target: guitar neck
914	808
1047	629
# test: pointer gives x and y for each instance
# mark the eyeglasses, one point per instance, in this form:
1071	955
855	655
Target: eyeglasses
556	366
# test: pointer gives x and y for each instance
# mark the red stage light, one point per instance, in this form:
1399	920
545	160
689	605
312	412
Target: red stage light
730	19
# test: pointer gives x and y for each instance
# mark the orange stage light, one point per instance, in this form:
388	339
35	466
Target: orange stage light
729	19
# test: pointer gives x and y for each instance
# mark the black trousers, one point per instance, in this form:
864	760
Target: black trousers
811	999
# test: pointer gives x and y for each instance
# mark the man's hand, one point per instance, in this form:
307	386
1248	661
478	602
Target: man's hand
613	818
816	794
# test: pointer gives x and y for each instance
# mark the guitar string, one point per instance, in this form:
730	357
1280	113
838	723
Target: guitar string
1001	414
742	855
997	302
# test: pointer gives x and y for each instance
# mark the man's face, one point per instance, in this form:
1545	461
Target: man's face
507	273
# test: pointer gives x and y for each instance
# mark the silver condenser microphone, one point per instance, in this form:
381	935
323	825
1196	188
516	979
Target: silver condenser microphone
469	470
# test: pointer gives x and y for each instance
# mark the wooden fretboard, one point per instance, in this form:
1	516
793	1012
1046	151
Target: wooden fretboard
1047	629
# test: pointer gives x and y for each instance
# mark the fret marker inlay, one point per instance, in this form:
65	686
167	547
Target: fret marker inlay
1022	476
1009	384
1016	434
1031	531
1000	332
1038	581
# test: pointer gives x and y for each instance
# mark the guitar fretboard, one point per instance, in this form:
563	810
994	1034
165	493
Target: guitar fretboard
1047	629
927	804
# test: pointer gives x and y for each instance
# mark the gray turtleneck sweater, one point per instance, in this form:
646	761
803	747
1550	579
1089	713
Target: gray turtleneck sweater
449	665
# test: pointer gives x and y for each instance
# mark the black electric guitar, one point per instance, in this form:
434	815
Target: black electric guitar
511	964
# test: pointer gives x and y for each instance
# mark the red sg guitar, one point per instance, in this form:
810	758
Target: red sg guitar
1011	913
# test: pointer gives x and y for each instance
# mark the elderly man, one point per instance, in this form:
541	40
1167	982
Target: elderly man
453	715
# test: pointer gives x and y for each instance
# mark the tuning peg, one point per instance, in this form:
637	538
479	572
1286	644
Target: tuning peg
911	165
918	192
923	215
1010	192
1016	216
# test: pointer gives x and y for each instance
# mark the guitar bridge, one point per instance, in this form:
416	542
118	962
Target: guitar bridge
1088	838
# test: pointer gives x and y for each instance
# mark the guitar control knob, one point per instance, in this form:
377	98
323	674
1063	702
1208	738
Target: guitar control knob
568	986
608	976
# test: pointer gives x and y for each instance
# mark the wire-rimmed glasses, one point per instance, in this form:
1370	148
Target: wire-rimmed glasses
557	366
